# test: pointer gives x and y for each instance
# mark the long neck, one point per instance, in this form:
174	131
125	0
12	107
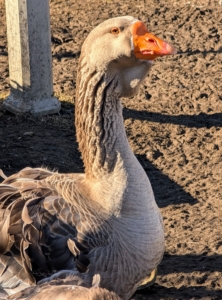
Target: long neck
99	122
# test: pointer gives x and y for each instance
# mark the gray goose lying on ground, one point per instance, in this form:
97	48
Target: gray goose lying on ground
106	219
70	288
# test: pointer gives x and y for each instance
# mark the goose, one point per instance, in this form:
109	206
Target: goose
69	288
105	221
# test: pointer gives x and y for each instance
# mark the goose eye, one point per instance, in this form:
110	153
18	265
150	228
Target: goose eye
115	31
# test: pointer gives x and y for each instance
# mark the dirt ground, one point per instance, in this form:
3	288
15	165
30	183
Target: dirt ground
174	127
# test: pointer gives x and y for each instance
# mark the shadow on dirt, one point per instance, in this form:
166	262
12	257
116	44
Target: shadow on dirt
197	292
185	265
197	121
190	263
166	191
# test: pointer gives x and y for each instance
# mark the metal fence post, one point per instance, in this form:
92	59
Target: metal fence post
30	60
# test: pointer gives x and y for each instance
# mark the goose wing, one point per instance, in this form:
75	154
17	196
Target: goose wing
40	230
71	287
56	288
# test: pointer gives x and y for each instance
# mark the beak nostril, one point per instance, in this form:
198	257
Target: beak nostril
151	41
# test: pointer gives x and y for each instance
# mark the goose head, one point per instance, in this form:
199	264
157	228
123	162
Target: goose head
124	50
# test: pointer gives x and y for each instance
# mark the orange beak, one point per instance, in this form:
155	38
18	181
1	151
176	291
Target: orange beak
146	45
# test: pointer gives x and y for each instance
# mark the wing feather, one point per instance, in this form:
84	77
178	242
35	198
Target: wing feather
38	229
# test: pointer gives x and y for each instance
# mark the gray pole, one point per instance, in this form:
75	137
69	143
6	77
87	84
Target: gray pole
30	60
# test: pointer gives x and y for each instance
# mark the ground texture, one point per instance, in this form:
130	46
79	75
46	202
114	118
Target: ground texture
174	127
